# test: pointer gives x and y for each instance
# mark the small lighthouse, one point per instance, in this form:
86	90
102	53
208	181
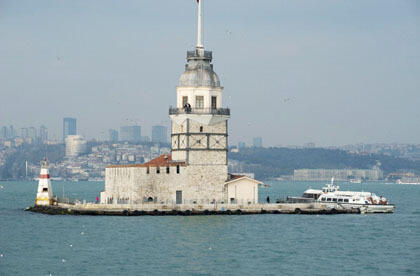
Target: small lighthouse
44	193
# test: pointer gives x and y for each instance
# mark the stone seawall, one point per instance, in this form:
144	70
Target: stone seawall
187	210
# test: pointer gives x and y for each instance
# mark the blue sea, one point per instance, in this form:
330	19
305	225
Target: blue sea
374	244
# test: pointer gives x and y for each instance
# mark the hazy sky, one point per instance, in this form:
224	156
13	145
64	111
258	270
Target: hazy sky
328	71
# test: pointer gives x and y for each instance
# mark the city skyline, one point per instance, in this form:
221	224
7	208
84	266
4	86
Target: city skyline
330	72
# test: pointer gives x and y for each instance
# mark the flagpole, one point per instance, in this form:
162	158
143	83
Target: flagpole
199	26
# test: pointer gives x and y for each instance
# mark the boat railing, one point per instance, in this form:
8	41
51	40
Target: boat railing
291	199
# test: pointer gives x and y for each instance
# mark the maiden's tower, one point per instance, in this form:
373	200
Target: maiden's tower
196	171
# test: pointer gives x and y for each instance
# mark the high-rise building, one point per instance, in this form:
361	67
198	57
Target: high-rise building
113	135
130	134
43	134
32	133
12	132
24	132
257	142
159	134
241	145
3	133
69	127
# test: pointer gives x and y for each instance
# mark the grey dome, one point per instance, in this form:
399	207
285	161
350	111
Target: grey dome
199	70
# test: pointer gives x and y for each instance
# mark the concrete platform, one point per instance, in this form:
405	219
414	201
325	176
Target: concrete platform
92	209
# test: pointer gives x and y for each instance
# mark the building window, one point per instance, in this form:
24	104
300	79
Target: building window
184	100
199	102
45	190
177	169
214	102
201	128
148	170
167	169
157	170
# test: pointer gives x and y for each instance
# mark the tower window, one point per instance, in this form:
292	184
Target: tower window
184	100
167	169
199	102
214	102
201	128
45	190
177	169
157	170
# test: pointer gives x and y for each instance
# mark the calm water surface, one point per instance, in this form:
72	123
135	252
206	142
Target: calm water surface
36	244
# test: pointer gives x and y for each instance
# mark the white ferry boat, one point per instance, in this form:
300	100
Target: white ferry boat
367	202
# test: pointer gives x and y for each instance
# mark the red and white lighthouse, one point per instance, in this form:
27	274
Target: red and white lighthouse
44	194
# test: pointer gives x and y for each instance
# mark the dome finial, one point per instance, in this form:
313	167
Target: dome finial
199	26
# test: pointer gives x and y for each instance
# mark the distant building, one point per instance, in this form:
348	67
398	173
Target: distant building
3	133
145	139
310	145
24	132
159	134
338	174
113	135
75	145
241	145
43	134
69	127
32	133
11	133
130	133
257	142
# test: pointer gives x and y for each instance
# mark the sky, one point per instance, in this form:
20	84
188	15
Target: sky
331	72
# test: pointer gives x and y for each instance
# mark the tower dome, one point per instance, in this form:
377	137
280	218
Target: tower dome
199	70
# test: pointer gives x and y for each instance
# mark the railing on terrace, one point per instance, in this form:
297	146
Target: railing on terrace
212	111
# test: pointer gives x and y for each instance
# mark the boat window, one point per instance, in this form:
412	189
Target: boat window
334	199
340	200
346	200
323	199
328	199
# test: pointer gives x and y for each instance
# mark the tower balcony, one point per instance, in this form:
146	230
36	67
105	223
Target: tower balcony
199	111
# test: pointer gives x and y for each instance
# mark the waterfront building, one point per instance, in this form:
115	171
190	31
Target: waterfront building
338	174
113	135
196	170
257	142
75	145
159	134
69	127
130	134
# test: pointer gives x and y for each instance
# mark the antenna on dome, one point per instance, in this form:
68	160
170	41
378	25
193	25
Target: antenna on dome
199	26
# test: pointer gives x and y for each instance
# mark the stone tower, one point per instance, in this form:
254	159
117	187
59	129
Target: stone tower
199	132
199	123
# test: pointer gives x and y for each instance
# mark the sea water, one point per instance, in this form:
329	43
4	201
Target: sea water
374	244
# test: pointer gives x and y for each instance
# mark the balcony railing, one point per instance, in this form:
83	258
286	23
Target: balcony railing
212	111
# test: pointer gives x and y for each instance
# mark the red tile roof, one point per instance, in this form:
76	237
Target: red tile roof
164	160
